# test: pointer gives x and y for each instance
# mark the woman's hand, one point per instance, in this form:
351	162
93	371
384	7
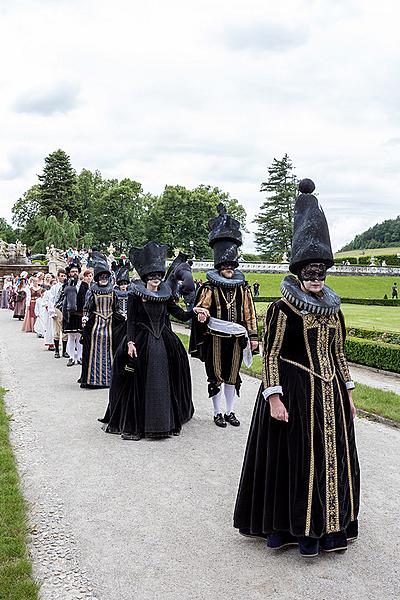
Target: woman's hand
277	408
353	409
202	314
132	349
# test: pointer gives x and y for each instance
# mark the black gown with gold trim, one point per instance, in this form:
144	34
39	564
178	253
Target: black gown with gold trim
302	476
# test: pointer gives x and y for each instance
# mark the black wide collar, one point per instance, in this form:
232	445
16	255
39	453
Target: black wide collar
214	277
163	294
327	304
101	289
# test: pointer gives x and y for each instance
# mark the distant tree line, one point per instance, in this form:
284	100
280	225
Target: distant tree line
382	235
65	208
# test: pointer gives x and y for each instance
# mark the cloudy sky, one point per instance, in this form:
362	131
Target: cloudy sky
184	92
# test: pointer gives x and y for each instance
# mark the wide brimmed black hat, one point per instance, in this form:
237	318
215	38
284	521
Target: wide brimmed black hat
100	264
150	258
311	240
122	274
224	238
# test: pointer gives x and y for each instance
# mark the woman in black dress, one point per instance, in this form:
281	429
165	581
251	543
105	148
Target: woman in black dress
150	394
300	480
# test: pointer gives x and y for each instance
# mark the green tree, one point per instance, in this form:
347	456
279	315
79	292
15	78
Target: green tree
60	232
275	219
7	233
58	187
180	216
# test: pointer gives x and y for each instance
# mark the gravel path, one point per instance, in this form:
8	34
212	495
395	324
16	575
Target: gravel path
151	520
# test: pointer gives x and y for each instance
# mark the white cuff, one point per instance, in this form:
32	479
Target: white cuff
276	389
350	385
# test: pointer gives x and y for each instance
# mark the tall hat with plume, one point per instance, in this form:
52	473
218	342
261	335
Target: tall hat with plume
311	241
224	238
100	264
150	258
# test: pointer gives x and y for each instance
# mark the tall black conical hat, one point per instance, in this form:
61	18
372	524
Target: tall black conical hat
311	241
224	238
149	258
122	274
100	264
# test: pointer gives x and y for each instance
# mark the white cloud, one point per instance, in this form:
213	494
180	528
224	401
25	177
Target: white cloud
209	93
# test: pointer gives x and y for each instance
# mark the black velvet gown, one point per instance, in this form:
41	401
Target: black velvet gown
302	476
155	399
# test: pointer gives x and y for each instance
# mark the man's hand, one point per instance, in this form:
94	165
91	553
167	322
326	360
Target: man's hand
132	349
277	408
253	345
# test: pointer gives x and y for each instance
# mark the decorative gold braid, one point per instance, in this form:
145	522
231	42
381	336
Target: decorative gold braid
235	362
312	464
205	299
232	300
339	347
273	356
331	475
267	325
296	364
249	312
346	439
217	357
217	303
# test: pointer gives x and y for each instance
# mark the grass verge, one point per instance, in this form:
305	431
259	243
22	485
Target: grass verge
16	582
372	400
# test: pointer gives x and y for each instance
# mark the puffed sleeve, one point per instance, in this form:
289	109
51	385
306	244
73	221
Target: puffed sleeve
275	327
249	314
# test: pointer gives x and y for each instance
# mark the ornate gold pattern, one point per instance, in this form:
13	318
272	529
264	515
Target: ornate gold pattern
341	357
217	357
249	313
312	464
235	362
346	439
205	299
273	356
296	364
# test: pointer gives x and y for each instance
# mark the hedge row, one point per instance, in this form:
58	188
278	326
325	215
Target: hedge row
391	260
373	354
365	301
389	337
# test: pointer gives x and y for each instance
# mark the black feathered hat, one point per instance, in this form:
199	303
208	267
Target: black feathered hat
149	259
311	241
224	238
122	274
100	264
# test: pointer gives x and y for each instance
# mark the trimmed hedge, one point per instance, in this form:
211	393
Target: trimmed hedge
373	354
389	337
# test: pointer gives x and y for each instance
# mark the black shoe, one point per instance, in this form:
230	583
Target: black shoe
309	547
231	418
71	362
176	432
65	355
57	354
219	420
79	362
79	380
334	542
281	539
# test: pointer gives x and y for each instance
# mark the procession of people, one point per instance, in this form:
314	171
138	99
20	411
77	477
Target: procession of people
300	481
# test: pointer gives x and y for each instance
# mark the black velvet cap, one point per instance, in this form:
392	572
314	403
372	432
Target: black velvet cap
150	258
311	240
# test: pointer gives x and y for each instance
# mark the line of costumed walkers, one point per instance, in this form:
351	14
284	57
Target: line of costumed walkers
300	481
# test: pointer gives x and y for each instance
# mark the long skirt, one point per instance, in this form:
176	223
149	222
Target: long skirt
30	318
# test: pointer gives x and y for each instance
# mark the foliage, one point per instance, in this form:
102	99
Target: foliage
275	219
372	334
373	354
58	187
180	216
386	234
7	233
16	580
251	258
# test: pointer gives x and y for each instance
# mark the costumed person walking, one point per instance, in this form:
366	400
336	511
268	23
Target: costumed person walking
5	293
300	480
121	291
231	332
74	293
54	308
19	297
33	293
151	392
98	348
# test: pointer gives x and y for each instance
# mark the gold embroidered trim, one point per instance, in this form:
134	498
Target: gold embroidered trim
273	356
341	358
312	464
235	362
346	439
217	357
217	303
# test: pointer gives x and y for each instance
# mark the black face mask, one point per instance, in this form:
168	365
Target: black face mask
313	272
152	276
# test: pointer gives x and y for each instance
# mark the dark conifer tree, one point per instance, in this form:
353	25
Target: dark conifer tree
58	192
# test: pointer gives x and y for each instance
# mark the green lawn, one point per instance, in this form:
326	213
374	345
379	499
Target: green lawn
346	286
16	582
379	402
382	318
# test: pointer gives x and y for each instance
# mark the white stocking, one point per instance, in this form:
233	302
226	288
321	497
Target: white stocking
217	403
230	397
